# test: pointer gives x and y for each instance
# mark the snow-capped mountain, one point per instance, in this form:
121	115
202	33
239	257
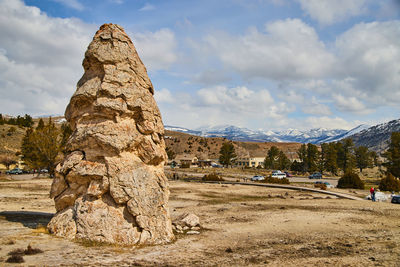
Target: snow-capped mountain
314	136
377	137
346	134
230	132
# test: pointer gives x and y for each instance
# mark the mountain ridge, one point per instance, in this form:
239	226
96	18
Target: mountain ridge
315	136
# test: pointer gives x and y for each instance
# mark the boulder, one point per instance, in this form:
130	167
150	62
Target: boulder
111	186
188	220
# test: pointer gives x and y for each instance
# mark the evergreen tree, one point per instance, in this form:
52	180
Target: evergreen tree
330	163
283	163
28	121
312	157
40	124
346	158
227	154
40	147
363	157
302	153
271	160
393	155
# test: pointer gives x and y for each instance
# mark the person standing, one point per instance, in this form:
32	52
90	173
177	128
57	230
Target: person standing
372	192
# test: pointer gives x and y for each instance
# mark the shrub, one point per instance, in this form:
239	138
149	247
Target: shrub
270	180
350	180
320	186
389	183
212	177
15	259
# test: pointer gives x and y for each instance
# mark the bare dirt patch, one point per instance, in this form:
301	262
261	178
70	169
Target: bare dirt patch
242	225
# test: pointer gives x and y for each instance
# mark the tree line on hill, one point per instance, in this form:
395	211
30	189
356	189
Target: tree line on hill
25	121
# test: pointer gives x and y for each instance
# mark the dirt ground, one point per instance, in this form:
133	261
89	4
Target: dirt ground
241	226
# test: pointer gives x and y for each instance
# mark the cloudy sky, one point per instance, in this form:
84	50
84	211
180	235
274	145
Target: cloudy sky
260	64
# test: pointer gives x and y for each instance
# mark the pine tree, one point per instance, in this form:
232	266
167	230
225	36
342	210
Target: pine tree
41	147
331	159
283	161
227	154
346	158
312	157
363	157
393	155
40	124
302	153
271	159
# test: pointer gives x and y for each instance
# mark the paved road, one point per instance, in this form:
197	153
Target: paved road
315	190
295	179
20	177
333	182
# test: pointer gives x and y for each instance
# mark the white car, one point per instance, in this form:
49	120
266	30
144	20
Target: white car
257	178
278	174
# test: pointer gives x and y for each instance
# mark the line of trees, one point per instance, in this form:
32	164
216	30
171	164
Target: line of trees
276	159
25	121
331	157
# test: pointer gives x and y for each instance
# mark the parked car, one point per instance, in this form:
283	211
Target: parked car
396	199
15	171
278	174
257	178
315	175
288	174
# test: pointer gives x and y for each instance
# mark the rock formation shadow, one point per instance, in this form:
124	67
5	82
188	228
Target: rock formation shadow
30	219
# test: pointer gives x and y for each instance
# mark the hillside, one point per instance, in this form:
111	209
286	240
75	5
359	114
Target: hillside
209	147
10	140
377	137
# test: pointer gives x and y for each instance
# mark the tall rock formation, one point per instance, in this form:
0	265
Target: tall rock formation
111	185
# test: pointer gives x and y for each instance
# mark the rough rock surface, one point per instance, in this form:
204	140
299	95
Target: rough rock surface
111	185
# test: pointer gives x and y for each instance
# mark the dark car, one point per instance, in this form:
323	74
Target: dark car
14	171
315	175
288	174
396	199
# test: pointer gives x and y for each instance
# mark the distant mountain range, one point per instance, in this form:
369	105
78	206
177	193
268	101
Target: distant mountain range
375	137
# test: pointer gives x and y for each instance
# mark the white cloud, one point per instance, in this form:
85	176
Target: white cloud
369	62
156	49
147	7
163	96
75	4
329	123
350	104
240	103
289	49
40	59
218	105
313	106
328	12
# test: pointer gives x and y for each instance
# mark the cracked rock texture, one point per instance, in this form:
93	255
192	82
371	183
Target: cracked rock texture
111	185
